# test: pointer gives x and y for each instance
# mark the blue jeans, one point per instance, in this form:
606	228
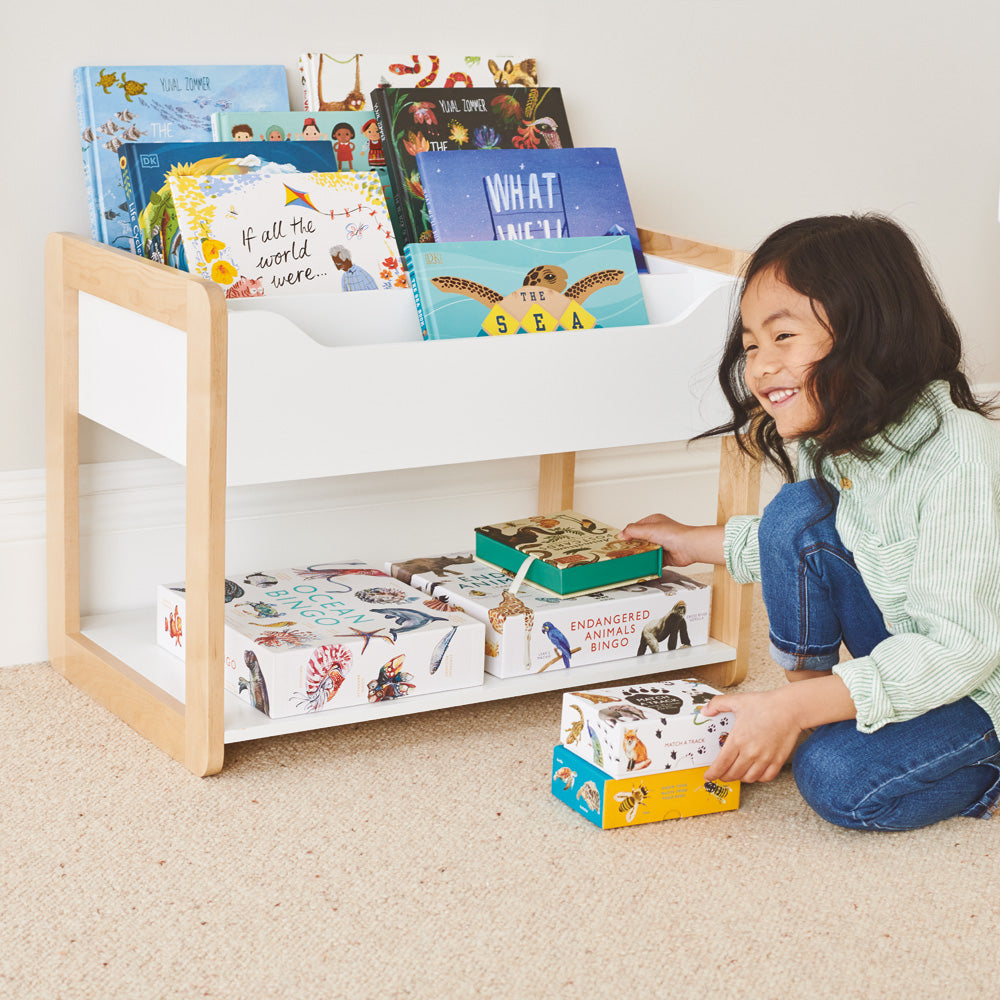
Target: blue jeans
905	775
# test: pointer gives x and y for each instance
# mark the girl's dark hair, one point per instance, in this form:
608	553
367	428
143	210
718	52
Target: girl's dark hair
892	335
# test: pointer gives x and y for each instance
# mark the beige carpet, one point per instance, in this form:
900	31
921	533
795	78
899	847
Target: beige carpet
426	857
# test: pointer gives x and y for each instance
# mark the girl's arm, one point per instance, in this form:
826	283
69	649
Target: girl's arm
683	544
768	723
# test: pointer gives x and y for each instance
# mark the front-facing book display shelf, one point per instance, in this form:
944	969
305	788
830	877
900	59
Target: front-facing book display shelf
109	314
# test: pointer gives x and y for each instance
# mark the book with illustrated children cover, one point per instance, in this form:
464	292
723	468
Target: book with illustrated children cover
342	82
515	194
279	234
494	288
413	121
569	553
146	167
353	134
118	105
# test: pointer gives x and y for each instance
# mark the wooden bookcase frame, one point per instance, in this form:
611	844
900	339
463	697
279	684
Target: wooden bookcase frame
193	731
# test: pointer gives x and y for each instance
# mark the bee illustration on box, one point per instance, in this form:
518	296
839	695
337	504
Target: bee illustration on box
566	776
629	802
719	791
589	796
542	304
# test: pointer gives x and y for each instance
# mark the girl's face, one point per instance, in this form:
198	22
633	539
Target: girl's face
783	339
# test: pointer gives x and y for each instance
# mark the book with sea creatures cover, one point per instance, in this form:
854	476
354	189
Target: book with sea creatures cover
125	104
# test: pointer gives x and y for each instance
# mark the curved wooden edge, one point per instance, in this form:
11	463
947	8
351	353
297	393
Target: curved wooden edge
679	248
193	733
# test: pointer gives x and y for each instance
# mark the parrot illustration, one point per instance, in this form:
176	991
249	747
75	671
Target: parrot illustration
596	744
559	642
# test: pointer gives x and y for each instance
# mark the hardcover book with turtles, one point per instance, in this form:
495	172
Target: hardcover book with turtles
567	553
147	166
529	631
285	234
342	82
485	288
523	194
330	635
118	105
412	121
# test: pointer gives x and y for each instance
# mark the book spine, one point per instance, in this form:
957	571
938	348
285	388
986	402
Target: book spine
428	200
381	115
216	126
133	205
415	285
85	115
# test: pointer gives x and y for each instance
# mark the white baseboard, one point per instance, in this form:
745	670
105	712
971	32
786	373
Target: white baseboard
132	521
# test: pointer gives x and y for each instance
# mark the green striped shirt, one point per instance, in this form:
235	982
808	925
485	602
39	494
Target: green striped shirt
923	522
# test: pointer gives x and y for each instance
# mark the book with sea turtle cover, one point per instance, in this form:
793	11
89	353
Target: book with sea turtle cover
493	288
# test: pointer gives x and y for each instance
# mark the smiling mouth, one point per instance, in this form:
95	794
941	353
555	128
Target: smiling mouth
778	396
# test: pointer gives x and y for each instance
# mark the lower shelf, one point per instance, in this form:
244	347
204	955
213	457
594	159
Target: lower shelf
128	636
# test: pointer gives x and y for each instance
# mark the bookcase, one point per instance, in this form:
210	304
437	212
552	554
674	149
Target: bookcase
110	315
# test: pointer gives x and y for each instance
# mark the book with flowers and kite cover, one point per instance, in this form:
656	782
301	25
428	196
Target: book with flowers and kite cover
413	121
279	234
354	135
146	167
118	105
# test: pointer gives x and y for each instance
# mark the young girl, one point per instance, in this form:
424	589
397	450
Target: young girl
888	542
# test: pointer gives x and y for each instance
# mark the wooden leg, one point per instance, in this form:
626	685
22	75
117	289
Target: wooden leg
204	723
739	493
62	479
555	482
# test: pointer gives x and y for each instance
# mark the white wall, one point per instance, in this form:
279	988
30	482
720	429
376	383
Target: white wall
731	117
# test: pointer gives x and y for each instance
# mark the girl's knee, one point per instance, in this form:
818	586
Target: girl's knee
827	783
798	511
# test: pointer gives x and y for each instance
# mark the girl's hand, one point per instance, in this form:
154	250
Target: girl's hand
682	544
763	736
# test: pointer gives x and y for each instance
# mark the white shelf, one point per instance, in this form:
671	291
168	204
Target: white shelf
126	635
316	397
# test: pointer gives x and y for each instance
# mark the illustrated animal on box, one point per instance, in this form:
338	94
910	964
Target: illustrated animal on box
544	285
524	74
439	566
511	606
671	627
355	99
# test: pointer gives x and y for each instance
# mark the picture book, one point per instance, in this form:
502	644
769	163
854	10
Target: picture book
522	194
343	82
524	286
539	632
331	635
146	167
279	234
354	134
118	105
567	553
414	121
